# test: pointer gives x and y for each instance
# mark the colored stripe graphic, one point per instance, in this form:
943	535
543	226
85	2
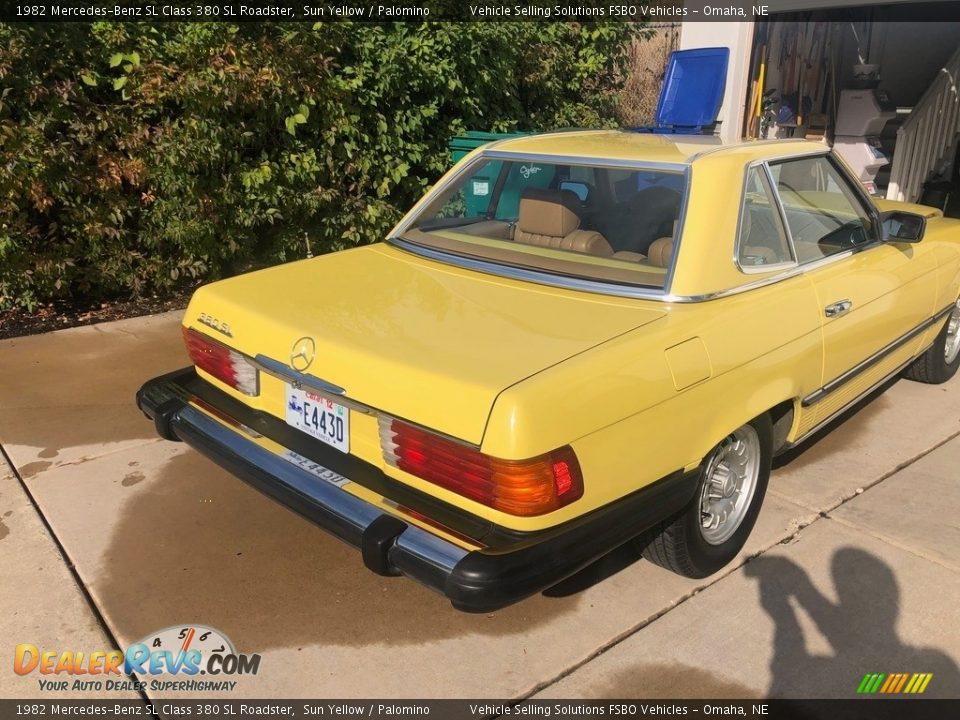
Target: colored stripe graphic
894	683
903	680
890	686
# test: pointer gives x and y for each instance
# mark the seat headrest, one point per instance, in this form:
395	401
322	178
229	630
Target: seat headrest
660	252
548	212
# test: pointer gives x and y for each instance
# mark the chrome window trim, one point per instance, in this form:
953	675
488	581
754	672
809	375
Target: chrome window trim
546	278
775	202
454	174
490	153
678	233
536	276
860	191
588	160
612	289
781	211
812	153
768	267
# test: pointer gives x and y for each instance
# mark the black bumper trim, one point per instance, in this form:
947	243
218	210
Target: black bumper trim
520	565
185	384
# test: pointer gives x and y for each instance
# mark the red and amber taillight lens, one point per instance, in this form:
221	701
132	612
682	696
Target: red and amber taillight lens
518	487
223	363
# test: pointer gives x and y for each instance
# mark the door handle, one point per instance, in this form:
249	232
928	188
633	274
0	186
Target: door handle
838	308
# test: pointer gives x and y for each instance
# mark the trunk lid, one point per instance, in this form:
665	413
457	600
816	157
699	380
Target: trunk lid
427	342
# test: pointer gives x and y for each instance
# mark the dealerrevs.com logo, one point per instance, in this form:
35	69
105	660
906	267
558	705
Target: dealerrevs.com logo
172	659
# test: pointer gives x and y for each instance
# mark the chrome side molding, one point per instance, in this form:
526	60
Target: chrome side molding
835	384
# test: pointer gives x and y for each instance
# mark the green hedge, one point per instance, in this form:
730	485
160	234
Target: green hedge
137	157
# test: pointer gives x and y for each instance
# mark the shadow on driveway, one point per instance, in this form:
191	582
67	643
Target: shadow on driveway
861	628
196	545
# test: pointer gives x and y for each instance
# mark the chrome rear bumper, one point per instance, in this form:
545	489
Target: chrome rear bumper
514	566
411	550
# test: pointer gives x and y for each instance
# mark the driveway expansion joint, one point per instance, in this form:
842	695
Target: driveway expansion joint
917	552
890	473
788	539
68	562
620	637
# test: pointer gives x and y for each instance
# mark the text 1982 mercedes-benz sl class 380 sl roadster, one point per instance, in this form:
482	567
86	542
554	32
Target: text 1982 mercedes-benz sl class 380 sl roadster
573	341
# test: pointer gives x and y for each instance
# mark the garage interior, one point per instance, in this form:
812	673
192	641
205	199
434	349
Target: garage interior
882	92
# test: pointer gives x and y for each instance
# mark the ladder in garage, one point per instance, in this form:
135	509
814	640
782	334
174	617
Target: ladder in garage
927	139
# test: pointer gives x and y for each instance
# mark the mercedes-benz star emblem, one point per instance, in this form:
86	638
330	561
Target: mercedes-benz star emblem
302	354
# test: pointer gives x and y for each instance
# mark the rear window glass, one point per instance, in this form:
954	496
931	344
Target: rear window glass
593	222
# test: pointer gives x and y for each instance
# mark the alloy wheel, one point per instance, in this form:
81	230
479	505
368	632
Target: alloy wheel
730	481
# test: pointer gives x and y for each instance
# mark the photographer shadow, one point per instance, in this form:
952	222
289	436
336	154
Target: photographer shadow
860	627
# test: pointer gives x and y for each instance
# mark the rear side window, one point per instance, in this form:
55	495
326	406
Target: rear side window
762	240
824	213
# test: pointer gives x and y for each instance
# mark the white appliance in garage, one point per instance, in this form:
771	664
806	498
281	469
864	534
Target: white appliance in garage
861	116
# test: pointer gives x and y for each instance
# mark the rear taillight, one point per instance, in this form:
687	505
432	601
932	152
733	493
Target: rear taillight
224	364
518	487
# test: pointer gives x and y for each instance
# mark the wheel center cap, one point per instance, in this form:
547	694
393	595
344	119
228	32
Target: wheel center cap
729	486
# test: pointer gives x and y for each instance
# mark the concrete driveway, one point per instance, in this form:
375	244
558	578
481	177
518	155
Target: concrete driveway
108	534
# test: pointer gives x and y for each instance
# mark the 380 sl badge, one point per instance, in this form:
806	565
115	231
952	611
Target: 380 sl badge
212	322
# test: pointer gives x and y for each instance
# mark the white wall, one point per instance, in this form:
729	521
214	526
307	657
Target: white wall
738	36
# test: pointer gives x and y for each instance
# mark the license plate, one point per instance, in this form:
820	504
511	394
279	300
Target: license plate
315	469
319	417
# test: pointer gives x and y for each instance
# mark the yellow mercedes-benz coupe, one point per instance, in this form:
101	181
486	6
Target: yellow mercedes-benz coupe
573	341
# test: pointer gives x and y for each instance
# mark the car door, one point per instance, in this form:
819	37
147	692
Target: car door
873	295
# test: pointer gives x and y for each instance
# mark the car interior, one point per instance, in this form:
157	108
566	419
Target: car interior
823	213
625	215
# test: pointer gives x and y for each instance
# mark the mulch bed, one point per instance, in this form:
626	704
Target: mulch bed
15	323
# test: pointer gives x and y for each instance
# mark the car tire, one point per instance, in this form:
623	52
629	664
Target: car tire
683	543
942	359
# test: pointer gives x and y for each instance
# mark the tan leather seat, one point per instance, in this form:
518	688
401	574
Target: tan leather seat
629	256
765	254
548	218
660	252
756	236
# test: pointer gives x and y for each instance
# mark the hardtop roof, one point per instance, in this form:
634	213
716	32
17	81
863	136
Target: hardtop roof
642	147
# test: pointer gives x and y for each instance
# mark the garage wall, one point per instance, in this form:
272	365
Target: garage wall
909	54
737	36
